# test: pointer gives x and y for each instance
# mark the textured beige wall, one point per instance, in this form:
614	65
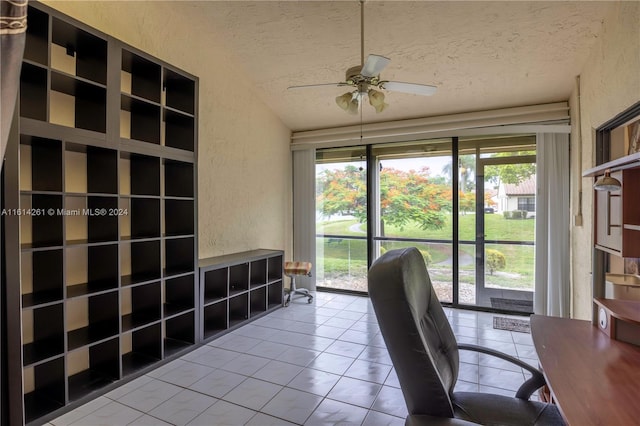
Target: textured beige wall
244	177
609	84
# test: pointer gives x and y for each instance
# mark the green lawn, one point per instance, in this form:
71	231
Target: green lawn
496	227
342	256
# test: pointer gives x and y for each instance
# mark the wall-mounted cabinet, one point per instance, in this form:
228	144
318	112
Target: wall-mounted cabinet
617	213
103	240
237	288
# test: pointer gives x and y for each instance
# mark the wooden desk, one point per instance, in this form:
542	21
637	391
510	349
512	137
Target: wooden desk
594	380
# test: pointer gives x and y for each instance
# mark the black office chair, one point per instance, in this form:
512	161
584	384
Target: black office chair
424	352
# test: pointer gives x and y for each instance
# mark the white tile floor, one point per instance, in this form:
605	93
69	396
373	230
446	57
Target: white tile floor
318	364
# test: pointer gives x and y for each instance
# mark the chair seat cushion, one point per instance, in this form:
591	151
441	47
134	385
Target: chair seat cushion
491	409
297	268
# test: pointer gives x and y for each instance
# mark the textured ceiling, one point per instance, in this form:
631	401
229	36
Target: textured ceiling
481	55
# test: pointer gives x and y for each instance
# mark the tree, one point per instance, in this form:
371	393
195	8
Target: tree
510	173
467	170
342	192
405	197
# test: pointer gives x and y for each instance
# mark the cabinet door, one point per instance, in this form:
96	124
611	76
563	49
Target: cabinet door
609	221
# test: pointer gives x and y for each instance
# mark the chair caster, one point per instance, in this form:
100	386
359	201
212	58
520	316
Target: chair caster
310	299
286	303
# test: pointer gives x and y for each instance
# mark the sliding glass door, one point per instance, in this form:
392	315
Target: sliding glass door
341	219
413	201
477	240
505	223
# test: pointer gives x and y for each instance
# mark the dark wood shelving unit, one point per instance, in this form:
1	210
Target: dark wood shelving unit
238	288
105	162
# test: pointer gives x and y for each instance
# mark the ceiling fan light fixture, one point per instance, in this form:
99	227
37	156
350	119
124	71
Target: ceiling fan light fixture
376	99
343	101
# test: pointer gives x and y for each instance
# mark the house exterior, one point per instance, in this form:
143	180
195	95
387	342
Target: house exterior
520	196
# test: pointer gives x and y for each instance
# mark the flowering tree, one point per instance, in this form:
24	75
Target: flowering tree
405	196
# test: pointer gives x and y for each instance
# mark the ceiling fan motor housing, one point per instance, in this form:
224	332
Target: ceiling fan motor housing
361	82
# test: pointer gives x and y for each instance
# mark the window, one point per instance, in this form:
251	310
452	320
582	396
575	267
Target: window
528	204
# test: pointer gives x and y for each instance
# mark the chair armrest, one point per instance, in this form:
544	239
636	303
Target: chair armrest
536	381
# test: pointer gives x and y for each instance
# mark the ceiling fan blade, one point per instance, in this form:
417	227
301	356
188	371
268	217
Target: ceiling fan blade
310	86
413	88
373	65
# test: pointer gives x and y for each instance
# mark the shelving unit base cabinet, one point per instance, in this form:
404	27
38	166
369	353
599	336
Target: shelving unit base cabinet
238	288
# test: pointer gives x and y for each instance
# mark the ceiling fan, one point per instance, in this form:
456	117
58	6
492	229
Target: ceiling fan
365	78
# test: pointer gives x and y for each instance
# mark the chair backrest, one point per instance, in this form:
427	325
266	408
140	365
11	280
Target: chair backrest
418	336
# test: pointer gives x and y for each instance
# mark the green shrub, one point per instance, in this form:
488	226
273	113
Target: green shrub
515	214
495	260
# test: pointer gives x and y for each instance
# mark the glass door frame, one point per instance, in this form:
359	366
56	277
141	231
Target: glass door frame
483	293
372	164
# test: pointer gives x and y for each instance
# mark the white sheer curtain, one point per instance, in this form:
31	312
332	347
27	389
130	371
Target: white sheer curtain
552	290
304	213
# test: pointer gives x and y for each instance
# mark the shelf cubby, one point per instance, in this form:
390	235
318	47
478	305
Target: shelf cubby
77	103
91	319
178	217
215	319
144	214
145	175
92	368
102	171
178	130
33	92
87	53
141	348
179	333
41	164
37	39
180	92
42	277
178	179
140	262
274	268
90	219
238	309
91	269
140	305
44	388
102	220
257	301
139	120
90	170
178	295
42	333
238	278
258	269
274	294
140	77
47	225
216	285
179	255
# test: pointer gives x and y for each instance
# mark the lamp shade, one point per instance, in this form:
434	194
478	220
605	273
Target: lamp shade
343	101
607	183
376	99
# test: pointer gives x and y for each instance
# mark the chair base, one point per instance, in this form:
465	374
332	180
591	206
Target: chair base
301	291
